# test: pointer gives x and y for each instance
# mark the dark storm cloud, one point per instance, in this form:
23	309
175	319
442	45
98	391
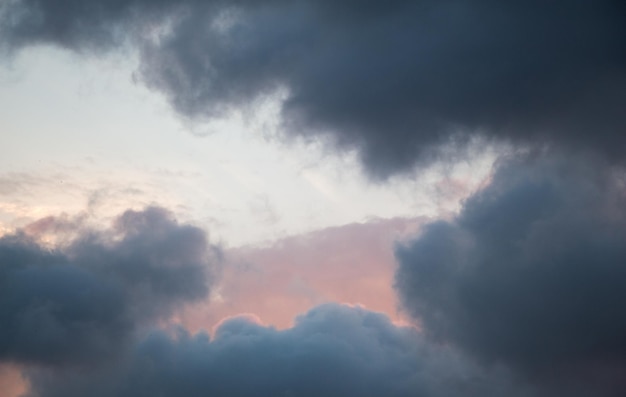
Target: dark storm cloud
77	24
392	79
396	81
531	274
332	350
81	304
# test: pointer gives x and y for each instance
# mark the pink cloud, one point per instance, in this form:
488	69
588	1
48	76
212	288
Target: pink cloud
12	384
351	264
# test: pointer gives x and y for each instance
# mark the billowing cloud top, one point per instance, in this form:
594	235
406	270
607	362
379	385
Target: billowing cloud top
332	350
86	300
394	80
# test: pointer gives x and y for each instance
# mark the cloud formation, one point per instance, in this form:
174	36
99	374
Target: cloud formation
83	302
332	350
91	24
531	274
351	264
393	80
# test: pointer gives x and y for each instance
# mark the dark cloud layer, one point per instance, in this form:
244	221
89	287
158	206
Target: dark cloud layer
77	24
332	350
531	274
392	79
82	303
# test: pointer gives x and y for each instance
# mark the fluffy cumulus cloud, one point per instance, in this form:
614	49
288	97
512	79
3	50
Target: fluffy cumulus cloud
531	274
394	80
83	302
332	350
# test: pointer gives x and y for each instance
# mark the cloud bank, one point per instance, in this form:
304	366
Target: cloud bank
332	350
531	273
392	80
83	303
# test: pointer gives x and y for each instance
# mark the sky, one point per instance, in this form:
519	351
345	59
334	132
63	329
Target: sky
303	198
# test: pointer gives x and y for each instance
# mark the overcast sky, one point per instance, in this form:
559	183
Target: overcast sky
304	198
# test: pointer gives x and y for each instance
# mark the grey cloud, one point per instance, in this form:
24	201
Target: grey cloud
398	82
332	350
531	274
393	80
83	303
76	24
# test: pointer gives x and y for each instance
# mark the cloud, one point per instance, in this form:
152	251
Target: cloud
393	80
352	264
332	350
75	24
528	276
11	382
531	273
83	302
